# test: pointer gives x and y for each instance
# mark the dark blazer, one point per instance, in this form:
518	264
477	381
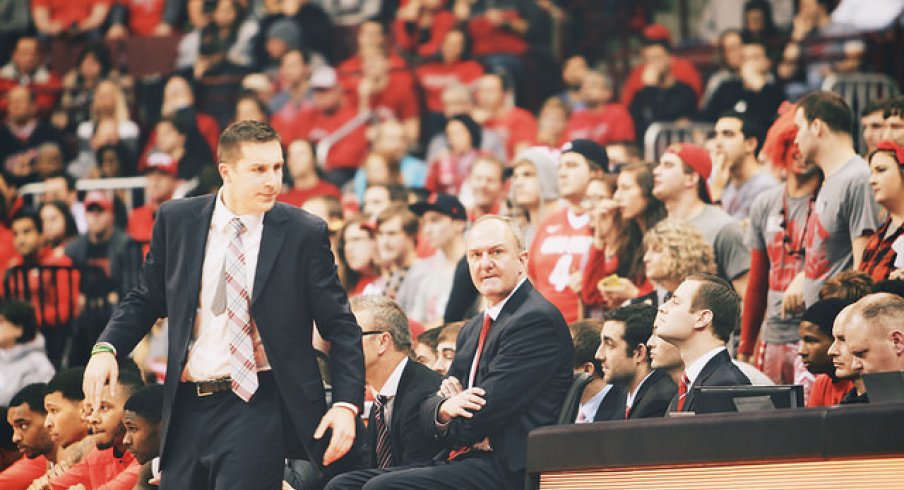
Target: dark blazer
286	299
410	444
719	371
654	396
613	405
525	369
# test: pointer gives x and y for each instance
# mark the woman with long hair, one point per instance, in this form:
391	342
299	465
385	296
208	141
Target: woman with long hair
58	226
355	256
880	256
614	272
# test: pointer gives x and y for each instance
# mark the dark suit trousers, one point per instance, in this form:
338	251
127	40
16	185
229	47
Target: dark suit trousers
478	472
219	442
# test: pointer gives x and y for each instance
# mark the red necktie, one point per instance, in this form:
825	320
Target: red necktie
487	322
627	412
682	390
242	364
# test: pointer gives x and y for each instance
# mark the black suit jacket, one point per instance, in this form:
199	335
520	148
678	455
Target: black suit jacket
613	405
654	396
525	369
410	444
719	371
295	284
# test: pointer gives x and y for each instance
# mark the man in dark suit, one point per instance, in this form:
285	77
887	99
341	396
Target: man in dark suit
625	359
243	389
699	318
598	401
511	370
395	435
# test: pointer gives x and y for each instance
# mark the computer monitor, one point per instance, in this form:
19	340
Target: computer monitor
887	387
716	399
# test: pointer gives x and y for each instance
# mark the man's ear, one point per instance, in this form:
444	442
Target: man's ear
588	368
704	319
641	354
897	340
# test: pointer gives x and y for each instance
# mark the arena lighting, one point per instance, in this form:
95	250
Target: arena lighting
873	473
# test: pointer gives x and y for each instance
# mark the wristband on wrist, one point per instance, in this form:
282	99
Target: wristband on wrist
103	347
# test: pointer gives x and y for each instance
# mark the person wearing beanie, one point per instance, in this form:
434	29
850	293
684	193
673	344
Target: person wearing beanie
534	189
680	182
778	218
815	339
563	239
882	256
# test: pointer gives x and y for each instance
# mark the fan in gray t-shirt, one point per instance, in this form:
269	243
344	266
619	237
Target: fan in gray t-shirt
845	209
724	233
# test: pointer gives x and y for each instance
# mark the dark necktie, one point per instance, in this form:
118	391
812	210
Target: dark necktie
683	385
384	444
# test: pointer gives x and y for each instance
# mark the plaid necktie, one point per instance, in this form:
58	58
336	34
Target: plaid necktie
384	444
242	366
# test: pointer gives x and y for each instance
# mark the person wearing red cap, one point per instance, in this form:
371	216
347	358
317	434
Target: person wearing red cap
883	256
161	171
845	211
778	218
103	244
657	52
680	182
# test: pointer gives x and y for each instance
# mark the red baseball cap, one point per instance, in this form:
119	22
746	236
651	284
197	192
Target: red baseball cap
161	162
98	198
893	147
698	159
657	32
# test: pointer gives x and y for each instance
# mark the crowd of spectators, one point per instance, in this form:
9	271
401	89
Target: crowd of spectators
403	123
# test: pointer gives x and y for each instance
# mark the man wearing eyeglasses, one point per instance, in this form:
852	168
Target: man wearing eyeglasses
400	385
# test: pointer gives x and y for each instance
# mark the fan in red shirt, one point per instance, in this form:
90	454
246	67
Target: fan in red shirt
371	35
600	120
58	294
306	182
292	96
447	173
496	27
55	17
335	126
25	69
658	44
452	68
563	239
140	18
495	111
421	25
815	339
26	415
161	173
387	95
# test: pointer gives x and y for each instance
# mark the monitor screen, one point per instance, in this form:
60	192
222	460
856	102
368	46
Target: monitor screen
716	399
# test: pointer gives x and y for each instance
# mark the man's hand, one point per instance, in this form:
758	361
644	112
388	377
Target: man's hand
793	299
101	369
450	387
342	421
461	405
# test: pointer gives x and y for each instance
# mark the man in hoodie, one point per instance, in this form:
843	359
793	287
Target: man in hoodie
22	357
534	193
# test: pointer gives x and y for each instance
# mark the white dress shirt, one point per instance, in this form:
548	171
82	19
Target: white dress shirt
389	390
493	313
208	352
631	395
587	411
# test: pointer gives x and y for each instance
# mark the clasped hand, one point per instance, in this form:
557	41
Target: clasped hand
459	401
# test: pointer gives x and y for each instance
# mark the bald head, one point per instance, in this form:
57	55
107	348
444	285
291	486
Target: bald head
874	333
496	257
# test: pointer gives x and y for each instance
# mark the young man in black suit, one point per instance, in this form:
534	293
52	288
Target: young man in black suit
598	401
511	370
395	435
242	390
625	358
698	319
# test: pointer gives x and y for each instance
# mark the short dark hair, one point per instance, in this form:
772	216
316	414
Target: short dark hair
69	383
147	403
6	432
749	126
253	97
718	296
31	395
230	146
71	229
585	335
22	315
28	213
430	337
893	286
638	320
828	107
894	107
70	180
129	375
873	105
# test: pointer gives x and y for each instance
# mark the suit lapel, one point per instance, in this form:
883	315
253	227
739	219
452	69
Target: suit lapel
644	388
499	325
197	230
705	373
272	238
395	430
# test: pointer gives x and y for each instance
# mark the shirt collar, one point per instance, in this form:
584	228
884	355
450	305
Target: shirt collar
222	215
694	369
631	395
391	386
589	409
493	311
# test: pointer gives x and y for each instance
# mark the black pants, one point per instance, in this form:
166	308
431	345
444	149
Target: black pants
480	472
219	442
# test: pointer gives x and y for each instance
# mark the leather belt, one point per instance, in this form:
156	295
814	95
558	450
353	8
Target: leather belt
209	387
